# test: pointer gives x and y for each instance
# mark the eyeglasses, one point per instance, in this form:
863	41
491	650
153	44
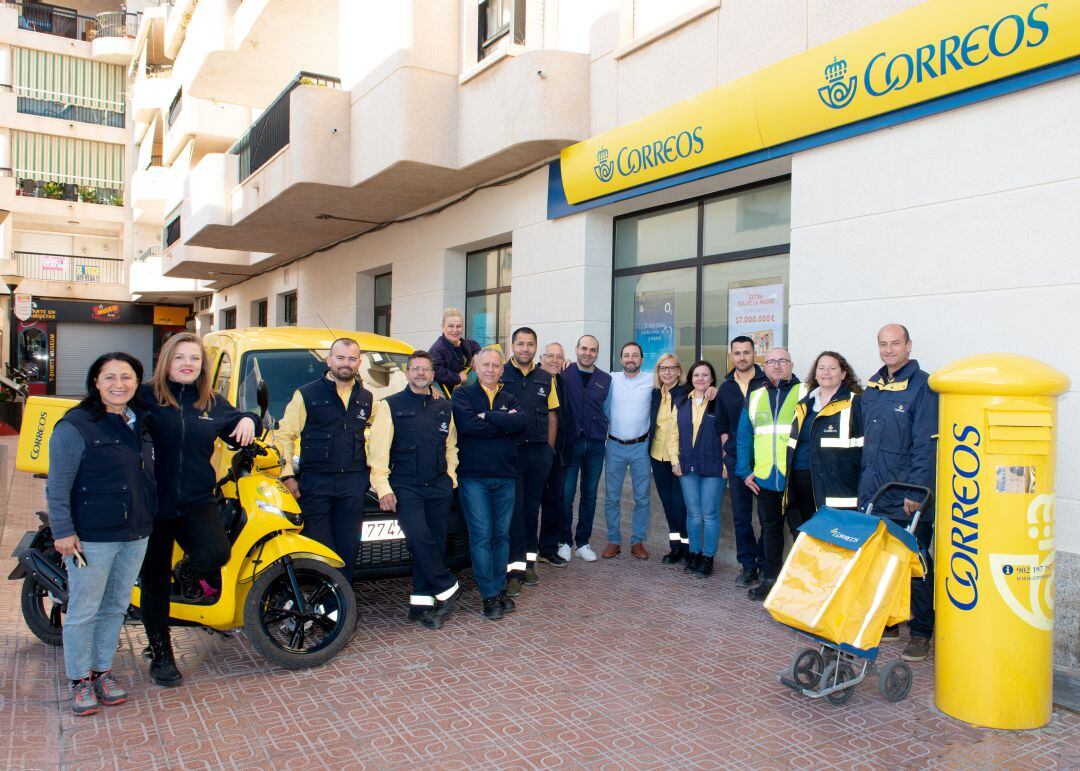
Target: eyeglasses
420	370
669	369
777	362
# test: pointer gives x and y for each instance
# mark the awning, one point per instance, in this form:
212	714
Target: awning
66	79
50	158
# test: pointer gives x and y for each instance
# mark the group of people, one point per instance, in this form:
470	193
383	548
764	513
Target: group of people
520	439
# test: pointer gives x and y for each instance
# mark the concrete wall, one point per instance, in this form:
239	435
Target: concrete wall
964	227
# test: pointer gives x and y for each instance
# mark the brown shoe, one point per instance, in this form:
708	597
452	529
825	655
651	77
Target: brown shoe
917	649
611	550
638	550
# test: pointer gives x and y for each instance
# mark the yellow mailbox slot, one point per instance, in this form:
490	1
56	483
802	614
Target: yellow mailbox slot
994	540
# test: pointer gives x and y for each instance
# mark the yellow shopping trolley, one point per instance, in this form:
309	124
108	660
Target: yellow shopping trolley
848	576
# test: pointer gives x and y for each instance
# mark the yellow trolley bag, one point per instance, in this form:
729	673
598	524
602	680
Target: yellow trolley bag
847	577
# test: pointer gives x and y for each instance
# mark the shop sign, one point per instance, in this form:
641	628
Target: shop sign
758	313
87	274
24	307
105	312
935	49
42	314
170	315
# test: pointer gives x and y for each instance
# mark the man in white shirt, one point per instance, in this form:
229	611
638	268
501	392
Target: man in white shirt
627	409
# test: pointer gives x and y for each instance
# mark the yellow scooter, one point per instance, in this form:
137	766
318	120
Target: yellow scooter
281	587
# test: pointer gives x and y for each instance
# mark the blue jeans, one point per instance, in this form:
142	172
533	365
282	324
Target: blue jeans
488	505
98	599
616	459
586	458
702	496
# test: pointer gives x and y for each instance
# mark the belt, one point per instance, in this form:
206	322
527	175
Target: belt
639	440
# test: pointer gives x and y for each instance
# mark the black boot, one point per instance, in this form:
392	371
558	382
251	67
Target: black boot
706	566
693	562
187	580
163	669
675	556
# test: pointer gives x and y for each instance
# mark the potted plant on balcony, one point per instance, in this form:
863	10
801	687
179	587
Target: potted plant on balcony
89	195
54	190
115	199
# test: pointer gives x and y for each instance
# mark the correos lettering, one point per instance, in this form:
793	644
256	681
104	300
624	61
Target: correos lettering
849	538
1006	36
39	438
961	585
631	160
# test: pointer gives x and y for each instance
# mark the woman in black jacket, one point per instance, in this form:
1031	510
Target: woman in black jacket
186	418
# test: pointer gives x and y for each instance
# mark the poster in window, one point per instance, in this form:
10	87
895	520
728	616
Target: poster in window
654	325
758	313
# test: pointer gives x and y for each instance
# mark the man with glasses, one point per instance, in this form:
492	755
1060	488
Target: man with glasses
764	428
413	459
552	550
745	376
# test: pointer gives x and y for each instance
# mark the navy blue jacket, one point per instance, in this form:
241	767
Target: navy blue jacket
112	498
183	445
448	360
332	439
676	392
732	404
421	427
531	391
587	416
704	455
487	446
899	418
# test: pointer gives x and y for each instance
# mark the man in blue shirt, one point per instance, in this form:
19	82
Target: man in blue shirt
629	417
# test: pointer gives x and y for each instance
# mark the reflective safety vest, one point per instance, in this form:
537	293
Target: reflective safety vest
771	433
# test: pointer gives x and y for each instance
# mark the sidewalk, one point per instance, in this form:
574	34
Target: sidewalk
616	664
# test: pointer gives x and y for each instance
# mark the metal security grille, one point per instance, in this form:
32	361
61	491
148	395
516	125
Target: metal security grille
77	345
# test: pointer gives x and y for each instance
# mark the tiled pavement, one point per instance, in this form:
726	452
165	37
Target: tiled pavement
617	664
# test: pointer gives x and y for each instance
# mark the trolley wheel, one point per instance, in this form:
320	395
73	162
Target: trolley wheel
806	668
836	673
895	681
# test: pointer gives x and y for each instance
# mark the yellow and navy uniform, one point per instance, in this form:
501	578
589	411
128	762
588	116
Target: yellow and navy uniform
413	456
836	441
328	420
534	389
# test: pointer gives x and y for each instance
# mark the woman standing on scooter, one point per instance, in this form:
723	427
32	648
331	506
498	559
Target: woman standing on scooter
100	496
186	418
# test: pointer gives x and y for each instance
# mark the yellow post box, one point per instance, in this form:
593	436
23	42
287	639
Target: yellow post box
994	540
39	419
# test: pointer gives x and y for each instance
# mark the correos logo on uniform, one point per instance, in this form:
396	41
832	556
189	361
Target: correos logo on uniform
888	71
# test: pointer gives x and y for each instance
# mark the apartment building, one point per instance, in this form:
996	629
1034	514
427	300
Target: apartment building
69	255
671	171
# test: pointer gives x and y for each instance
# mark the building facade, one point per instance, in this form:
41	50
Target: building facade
670	171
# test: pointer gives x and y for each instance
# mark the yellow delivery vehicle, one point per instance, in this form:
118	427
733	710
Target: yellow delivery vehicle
848	576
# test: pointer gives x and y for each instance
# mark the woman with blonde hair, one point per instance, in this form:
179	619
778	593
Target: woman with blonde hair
452	353
668	387
186	419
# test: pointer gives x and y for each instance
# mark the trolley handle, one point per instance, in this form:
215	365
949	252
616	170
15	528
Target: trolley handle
927	493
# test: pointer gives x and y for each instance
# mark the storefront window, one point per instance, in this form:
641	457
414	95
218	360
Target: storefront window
674	291
487	296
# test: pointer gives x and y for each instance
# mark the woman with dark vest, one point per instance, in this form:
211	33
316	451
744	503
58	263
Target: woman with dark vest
452	353
825	448
100	496
697	458
669	387
186	419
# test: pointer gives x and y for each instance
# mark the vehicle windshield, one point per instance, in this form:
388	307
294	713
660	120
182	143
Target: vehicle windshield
286	370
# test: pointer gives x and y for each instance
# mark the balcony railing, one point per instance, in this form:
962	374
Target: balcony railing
64	22
270	132
176	106
74	189
50	104
159	70
70	268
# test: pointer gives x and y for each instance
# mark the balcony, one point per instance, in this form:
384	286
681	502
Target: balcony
213	127
153	92
82	190
69	268
148	283
114	40
110	35
66	107
155	190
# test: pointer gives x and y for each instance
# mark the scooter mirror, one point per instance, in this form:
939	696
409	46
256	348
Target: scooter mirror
262	396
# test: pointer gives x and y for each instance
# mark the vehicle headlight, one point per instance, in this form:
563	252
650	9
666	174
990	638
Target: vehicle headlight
269	508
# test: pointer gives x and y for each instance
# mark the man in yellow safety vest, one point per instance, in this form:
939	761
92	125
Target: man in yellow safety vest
762	456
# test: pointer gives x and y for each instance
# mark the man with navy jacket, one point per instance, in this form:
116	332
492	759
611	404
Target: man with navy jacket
488	423
587	391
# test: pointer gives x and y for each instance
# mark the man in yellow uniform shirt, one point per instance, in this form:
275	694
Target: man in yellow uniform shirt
413	462
328	417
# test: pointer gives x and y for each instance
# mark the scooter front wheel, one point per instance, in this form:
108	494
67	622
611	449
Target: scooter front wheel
300	613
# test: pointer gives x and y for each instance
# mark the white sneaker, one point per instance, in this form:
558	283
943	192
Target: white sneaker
586	553
565	551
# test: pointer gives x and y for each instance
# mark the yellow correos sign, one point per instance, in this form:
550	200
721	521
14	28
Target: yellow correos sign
935	49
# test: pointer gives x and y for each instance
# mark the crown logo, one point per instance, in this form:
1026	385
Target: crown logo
604	169
837	92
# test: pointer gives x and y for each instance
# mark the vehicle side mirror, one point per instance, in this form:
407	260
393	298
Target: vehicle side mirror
262	397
